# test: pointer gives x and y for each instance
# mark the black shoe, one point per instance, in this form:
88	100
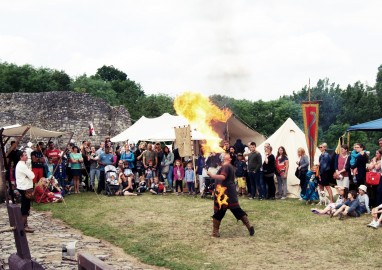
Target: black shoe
251	231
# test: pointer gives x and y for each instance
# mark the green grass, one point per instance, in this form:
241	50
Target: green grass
173	232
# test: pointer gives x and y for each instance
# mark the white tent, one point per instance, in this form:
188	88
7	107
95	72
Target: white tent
291	137
162	129
156	129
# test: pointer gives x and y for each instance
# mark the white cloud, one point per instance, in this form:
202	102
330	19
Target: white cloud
245	49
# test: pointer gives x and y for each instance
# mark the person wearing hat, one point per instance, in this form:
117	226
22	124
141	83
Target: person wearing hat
363	199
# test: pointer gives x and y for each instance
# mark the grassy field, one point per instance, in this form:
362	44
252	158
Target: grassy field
173	231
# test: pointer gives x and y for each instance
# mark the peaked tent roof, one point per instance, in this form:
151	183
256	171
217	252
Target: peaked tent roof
375	125
237	129
291	137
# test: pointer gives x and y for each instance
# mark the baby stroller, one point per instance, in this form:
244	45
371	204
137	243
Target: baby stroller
111	182
311	189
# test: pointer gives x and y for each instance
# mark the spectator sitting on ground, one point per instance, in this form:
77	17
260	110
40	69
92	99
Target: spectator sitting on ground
55	188
142	185
157	187
363	199
330	209
126	183
350	208
42	193
376	222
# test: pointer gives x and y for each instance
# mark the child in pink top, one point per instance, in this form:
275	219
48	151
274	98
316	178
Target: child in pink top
178	176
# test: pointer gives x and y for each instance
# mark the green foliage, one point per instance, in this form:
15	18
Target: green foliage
154	106
28	79
96	87
110	73
339	108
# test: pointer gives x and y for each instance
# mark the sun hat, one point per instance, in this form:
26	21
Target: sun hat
362	187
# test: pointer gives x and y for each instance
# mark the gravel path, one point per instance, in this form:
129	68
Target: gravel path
51	235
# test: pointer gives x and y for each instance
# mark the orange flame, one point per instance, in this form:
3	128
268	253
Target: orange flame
221	198
201	112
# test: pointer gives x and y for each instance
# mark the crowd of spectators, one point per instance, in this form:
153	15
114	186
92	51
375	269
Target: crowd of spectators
154	167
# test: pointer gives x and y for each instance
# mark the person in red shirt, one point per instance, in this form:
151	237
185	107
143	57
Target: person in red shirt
38	162
52	153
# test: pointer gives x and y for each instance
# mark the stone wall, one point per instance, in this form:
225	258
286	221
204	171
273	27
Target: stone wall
64	111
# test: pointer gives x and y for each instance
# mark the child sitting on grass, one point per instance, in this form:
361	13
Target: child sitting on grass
363	199
142	185
189	176
350	208
330	209
178	176
157	187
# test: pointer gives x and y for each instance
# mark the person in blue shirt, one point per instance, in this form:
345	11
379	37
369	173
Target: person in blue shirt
350	208
105	159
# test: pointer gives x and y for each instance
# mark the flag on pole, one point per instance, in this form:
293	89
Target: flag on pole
91	129
310	113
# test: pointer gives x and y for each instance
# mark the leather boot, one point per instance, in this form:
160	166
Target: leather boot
250	228
215	228
27	229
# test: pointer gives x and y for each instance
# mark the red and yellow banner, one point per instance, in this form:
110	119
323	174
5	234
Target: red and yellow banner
310	113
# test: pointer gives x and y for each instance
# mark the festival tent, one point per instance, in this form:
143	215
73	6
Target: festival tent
235	129
375	125
31	131
291	137
162	129
156	129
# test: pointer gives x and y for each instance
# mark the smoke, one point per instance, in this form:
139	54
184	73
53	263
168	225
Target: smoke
229	71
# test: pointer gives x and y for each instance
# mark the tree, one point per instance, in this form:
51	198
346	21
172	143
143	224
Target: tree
153	106
97	88
26	78
110	73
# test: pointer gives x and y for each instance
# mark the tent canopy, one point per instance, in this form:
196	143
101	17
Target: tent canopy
34	132
291	137
375	125
156	129
162	129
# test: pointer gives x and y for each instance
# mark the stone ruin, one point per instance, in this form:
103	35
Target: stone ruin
64	111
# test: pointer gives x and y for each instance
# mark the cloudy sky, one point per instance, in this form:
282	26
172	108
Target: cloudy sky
244	49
